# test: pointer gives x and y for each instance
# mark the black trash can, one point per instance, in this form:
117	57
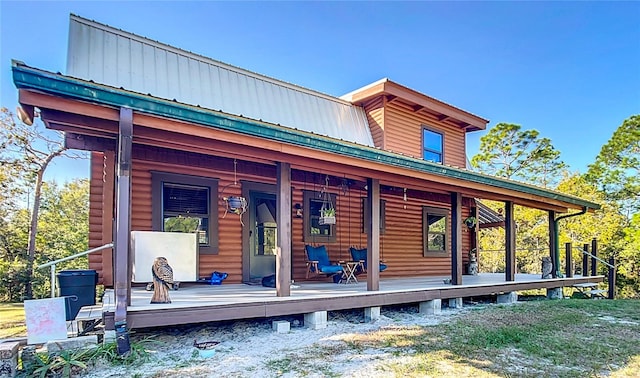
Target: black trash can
79	289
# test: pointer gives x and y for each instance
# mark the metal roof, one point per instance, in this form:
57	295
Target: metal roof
30	78
487	217
110	56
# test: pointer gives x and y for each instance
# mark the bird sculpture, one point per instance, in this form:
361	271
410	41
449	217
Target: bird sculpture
162	280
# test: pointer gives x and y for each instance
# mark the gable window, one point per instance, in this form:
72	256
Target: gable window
432	145
314	232
186	204
435	223
365	215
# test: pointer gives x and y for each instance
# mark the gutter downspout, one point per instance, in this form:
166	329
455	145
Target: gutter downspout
556	247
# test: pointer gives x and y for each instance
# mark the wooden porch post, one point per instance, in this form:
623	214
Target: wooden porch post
373	235
510	242
568	260
553	244
456	239
123	230
283	258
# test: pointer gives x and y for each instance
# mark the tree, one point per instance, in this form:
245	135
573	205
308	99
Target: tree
29	150
616	170
510	152
63	230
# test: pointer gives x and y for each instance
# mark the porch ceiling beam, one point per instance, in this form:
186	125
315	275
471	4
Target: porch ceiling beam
88	143
78	120
373	235
123	230
283	203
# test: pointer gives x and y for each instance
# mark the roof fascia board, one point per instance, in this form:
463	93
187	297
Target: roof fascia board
386	86
433	104
31	78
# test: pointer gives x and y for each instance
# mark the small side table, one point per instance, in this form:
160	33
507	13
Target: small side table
349	271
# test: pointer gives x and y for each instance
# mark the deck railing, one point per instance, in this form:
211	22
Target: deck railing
52	264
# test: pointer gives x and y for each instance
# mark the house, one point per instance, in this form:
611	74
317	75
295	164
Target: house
175	137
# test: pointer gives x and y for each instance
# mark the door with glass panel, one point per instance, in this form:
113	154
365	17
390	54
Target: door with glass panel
262	235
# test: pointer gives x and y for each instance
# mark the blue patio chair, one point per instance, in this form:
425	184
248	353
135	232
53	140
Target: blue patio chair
361	255
318	262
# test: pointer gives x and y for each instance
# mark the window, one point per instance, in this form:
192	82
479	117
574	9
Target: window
183	203
432	145
435	223
314	232
365	215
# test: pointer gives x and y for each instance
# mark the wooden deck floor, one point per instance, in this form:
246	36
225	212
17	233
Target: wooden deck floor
194	303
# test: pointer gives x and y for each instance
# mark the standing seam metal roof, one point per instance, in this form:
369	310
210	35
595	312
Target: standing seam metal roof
117	58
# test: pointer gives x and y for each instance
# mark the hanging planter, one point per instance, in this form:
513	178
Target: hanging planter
236	205
327	211
327	216
471	222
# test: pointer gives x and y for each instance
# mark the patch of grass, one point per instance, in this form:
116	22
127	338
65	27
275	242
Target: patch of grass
571	338
12	323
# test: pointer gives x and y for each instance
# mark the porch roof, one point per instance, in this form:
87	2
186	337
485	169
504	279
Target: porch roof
30	78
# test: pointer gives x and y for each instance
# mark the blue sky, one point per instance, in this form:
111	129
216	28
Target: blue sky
571	70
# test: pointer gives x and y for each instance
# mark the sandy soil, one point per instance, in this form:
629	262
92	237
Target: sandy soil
253	349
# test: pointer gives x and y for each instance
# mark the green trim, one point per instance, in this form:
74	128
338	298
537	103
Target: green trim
31	78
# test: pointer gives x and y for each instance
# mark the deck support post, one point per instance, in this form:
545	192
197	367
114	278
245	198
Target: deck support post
568	268
283	203
594	261
555	293
507	298
316	320
510	242
455	302
122	268
432	307
371	314
373	234
456	238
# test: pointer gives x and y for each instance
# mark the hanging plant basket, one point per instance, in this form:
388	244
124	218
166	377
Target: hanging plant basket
236	205
471	222
327	216
327	211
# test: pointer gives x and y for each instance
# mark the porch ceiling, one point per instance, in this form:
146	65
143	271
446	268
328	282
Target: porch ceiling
275	142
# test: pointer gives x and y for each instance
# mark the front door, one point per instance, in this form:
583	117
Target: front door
262	235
